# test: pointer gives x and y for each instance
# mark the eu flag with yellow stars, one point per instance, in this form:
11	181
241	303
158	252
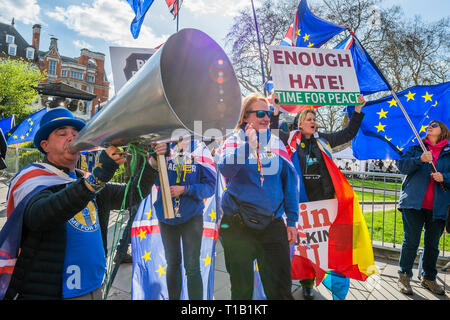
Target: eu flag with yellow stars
385	132
308	30
26	130
149	280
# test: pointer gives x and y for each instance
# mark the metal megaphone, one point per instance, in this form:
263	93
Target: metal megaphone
189	83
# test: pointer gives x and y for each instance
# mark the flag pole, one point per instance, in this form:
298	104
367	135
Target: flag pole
259	46
178	13
408	119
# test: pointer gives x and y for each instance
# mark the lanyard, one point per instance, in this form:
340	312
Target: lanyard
260	167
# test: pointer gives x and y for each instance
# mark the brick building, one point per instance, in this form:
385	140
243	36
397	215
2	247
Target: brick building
85	73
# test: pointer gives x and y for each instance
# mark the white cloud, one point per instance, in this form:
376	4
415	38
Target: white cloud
82	44
25	11
108	20
224	8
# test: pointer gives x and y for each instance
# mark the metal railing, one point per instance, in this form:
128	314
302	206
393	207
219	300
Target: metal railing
377	193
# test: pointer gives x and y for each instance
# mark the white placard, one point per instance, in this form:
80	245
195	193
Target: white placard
313	76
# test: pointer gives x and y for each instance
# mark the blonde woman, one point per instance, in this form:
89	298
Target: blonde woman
261	185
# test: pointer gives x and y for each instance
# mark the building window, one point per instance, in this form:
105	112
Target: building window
90	78
12	49
52	67
63	73
9	38
90	89
76	75
30	53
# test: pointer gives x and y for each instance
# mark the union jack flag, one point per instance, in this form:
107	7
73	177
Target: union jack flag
174	6
27	182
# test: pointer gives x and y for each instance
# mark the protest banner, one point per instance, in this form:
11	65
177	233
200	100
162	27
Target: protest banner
313	76
126	62
315	219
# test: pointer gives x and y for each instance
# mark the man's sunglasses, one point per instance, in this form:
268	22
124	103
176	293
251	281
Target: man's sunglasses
434	125
261	113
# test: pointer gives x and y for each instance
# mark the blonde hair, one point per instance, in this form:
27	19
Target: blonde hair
303	115
248	101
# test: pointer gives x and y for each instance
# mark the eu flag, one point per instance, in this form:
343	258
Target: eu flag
140	8
6	124
26	130
385	132
308	30
370	78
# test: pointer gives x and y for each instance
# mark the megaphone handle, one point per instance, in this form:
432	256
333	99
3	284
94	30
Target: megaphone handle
165	187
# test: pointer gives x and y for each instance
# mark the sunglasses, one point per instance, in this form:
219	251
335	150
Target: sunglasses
261	113
434	125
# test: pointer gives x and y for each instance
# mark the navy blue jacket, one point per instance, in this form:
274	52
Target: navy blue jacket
415	184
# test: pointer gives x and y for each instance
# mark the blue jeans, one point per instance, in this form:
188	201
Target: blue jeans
413	222
190	233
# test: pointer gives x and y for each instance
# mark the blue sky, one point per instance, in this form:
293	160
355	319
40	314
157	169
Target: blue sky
99	24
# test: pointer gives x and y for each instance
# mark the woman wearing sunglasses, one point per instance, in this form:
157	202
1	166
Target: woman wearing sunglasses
261	185
308	145
424	204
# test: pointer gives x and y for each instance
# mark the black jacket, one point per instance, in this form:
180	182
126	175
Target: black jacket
38	270
334	139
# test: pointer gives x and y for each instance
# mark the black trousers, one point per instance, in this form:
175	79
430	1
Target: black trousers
242	245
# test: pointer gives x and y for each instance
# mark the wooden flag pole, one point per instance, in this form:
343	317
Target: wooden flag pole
165	187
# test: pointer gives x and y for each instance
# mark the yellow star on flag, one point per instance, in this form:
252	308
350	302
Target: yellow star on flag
388	139
310	45
393	102
427	97
207	260
298	32
380	127
382	113
423	129
22	137
146	256
306	37
213	215
399	148
15	137
142	234
435	104
410	96
161	270
149	214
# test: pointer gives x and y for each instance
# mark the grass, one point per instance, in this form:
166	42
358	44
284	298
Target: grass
369	183
369	196
393	220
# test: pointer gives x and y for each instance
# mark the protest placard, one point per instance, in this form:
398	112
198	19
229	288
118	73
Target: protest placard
313	76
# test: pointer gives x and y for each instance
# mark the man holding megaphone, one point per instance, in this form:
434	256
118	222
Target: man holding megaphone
64	215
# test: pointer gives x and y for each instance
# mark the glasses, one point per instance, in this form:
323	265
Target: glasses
434	125
261	113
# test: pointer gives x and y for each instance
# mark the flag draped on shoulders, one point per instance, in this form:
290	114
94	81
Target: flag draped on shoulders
230	149
149	261
340	240
27	183
386	134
